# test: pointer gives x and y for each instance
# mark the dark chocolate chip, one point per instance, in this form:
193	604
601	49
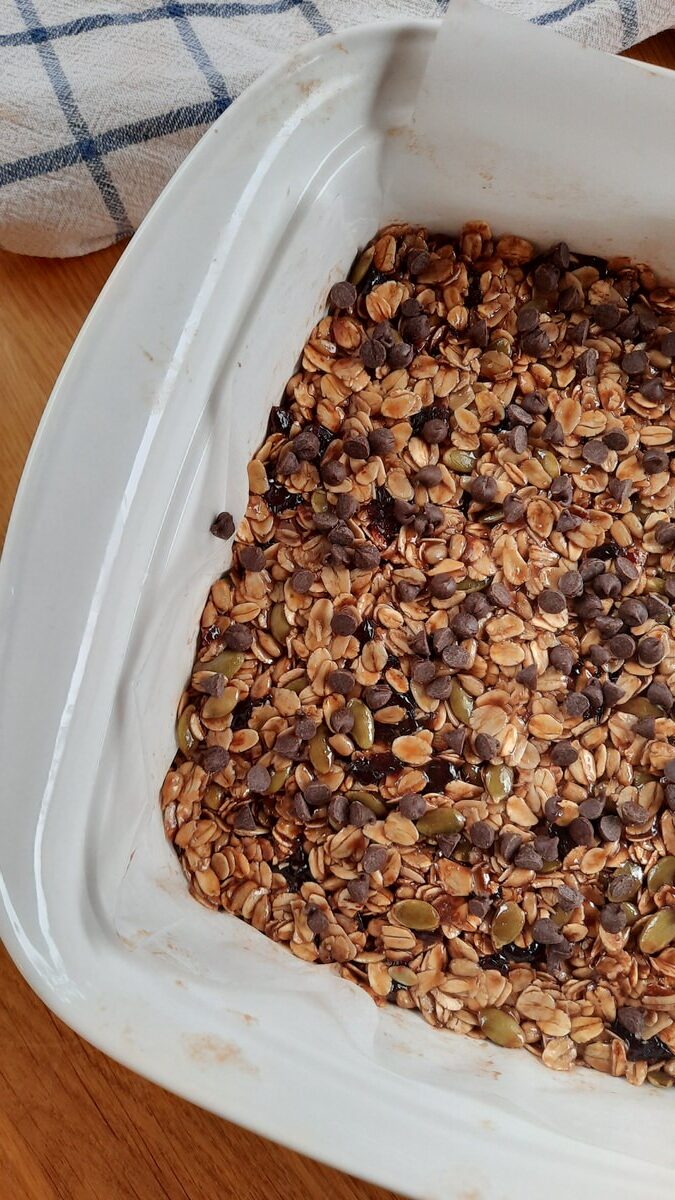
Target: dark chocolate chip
341	682
527	858
528	677
442	586
514	510
301	581
238	636
615	439
569	898
562	658
358	889
342	721
344	622
374	859
651	651
551	601
613	918
621	646
594	452
482	834
486	746
634	362
412	806
564	754
377	696
610	827
373	353
222	526
258	779
654	462
546	932
581	831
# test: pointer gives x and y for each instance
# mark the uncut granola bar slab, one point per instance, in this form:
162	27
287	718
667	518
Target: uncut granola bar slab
429	730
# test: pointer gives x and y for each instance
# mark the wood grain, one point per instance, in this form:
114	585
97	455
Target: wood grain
73	1124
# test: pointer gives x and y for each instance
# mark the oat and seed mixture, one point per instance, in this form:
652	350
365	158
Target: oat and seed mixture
429	730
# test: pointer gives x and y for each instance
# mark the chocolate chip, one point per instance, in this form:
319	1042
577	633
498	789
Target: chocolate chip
484	489
528	677
486	746
651	651
528	318
429	476
464	625
587	363
382	441
608	626
238	637
628	328
593	807
342	295
669	771
599	655
305	728
634	362
406	591
547	846
333	473
622	646
419	644
615	439
346	506
209	685
374	859
367	557
607	316
360	814
581	831
317	921
569	898
632	813
562	658
658	609
410	308
518	415
561	490
591	568
288	463
500	595
553	433
593	693
456	658
482	834
576	705
306	445
358	889
344	622
607	586
658	693
625	569
455	740
610	828
440	687
377	696
527	858
612	694
356	447
338	811
404	511
418	261
566	522
325	520
571	584
509	842
551	601
552	808
514	510
415	329
478	333
563	754
654	390
547	278
535	343
222	526
400	355
613	918
646	316
244	820
412	806
341	682
301	808
373	353
664	533
516	439
594	452
288	745
577	333
667	345
340	535
342	721
654	462
301	581
442	586
632	1019
546	932
646	727
213	759
446	844
619	489
479	906
560	255
434	431
258	779
316	795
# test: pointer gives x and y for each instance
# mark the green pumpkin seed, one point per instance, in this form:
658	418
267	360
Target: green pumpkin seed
471	774
403	976
631	911
461	461
493	517
662	873
319	501
501	344
549	866
371	801
549	462
560	917
498	781
363	731
279	626
507	924
501	1029
461	703
463	850
642	777
660	1079
213	797
416	914
297	685
320	753
439	821
615	890
640	706
658	932
220	706
278	780
184	735
472	585
655	584
360	268
226	663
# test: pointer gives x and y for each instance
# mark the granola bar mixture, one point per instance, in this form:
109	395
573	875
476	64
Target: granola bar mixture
429	731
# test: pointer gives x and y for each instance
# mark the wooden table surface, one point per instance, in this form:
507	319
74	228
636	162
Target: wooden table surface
73	1124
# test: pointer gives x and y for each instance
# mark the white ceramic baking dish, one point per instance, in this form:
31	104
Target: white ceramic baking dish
108	560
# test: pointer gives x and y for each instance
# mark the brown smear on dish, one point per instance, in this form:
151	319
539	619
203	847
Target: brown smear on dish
428	733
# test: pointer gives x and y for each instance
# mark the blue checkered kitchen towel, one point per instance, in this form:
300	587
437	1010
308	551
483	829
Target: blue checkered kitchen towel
100	100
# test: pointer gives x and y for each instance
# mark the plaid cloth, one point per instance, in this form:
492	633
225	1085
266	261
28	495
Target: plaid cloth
100	100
